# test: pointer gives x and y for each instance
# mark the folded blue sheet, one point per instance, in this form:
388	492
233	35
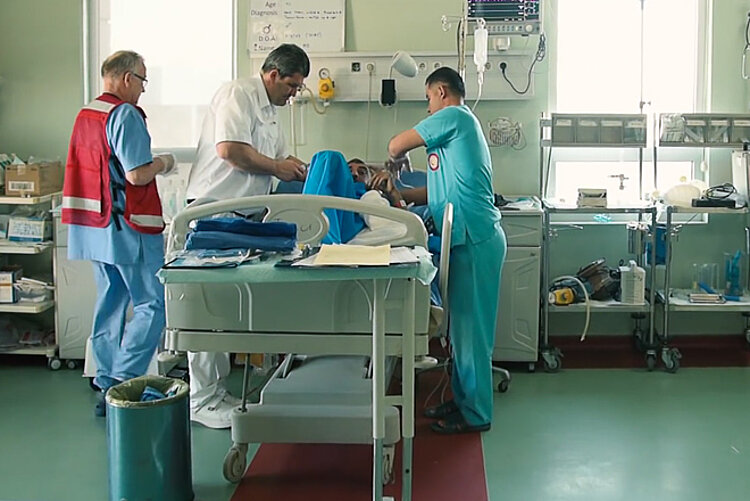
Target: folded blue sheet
227	240
245	227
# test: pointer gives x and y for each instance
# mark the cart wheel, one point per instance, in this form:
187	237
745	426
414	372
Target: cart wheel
531	367
235	463
747	335
503	386
552	362
650	361
71	364
54	364
671	359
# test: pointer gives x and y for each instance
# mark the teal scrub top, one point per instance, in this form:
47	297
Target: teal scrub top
130	144
459	170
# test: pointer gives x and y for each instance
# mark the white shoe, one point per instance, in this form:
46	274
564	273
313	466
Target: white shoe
216	413
424	362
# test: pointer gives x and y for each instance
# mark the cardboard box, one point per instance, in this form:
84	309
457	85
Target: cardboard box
25	229
33	180
9	275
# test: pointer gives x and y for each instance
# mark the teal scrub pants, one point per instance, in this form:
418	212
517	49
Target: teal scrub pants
473	289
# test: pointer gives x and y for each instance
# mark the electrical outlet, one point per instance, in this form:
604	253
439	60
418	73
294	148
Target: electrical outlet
356	67
502	65
370	67
422	66
436	65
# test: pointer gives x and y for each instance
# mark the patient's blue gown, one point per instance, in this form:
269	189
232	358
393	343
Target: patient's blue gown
329	174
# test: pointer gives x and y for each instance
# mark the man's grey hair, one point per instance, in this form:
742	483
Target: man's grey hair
289	60
120	63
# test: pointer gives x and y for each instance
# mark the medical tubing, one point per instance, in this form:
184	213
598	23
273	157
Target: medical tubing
367	297
480	84
541	52
586	298
313	101
745	76
293	131
442	383
369	102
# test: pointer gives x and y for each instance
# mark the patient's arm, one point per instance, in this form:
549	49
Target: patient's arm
383	181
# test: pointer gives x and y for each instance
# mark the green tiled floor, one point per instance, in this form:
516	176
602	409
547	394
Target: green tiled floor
594	435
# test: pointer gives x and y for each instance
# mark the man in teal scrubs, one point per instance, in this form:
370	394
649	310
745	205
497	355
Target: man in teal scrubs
459	172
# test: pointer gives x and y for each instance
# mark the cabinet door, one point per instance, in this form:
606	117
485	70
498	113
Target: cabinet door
76	298
517	330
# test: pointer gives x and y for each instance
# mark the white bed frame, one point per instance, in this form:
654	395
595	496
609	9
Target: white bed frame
386	314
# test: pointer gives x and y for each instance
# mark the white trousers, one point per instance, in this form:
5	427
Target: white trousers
208	373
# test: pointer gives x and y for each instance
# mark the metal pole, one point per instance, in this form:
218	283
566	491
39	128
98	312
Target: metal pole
668	271
407	388
378	386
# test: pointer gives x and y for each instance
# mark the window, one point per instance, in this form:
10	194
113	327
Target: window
605	66
188	47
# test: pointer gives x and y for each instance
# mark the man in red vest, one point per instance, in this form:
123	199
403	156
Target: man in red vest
113	209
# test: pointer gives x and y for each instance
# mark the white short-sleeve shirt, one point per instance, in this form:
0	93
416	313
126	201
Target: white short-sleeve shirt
239	112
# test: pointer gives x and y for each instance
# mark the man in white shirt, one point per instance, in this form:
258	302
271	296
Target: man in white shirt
241	148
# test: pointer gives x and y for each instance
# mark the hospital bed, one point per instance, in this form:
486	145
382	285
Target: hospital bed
337	325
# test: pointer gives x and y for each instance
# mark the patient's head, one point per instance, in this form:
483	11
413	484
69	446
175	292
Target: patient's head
361	172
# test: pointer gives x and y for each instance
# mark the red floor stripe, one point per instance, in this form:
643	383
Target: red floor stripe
619	351
446	468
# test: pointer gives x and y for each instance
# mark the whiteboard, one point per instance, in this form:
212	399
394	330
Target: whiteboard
314	25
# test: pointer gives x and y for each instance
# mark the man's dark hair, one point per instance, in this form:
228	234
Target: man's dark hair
448	77
289	60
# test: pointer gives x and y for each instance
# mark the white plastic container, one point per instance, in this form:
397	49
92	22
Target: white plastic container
632	284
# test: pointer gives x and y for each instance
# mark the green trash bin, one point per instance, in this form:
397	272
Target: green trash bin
149	442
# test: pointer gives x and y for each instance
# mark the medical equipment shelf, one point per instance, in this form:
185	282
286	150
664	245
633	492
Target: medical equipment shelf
11	248
708	210
29	200
586	130
551	356
48	351
558	209
672	303
679	301
597	306
26	307
702	130
693	130
36	262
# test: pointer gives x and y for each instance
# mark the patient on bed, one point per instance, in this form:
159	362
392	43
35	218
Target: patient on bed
330	174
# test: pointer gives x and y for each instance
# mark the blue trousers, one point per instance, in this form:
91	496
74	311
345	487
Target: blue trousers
124	352
473	289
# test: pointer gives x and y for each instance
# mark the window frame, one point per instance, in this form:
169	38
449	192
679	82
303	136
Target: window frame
698	156
92	56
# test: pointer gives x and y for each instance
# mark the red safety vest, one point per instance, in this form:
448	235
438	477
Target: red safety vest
88	192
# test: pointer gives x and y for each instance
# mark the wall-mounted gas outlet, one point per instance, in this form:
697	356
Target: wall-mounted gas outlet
356	67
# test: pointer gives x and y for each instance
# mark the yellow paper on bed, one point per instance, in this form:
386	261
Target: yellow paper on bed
353	255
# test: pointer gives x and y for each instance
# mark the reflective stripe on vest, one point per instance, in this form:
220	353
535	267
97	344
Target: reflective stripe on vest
78	203
102	106
147	220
